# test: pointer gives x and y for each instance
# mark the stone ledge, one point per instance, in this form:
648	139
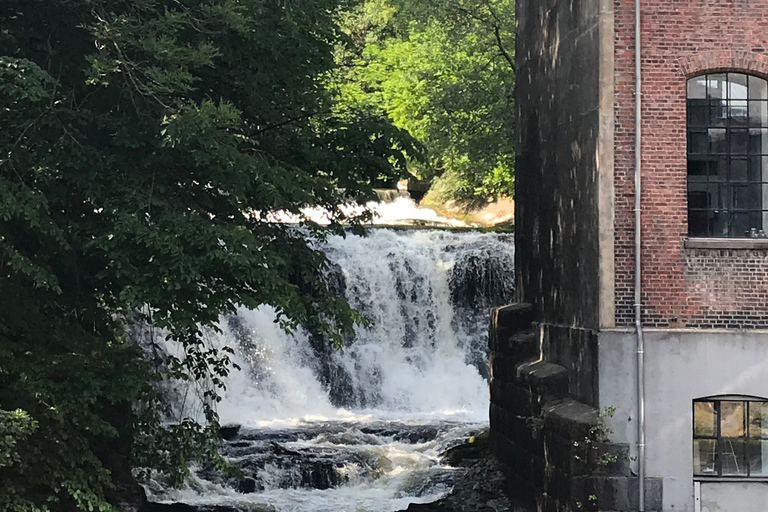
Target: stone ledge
726	243
546	379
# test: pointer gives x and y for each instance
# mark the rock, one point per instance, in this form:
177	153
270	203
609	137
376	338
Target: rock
246	486
479	489
229	432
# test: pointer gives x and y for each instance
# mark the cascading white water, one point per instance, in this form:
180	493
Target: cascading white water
420	366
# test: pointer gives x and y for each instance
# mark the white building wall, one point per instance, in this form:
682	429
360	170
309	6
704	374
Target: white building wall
682	365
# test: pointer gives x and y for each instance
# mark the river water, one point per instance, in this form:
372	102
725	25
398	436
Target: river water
362	430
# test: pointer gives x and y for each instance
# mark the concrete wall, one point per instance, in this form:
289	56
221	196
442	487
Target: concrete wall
564	172
681	365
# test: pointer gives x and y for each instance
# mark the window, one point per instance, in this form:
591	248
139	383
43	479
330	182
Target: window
727	155
730	437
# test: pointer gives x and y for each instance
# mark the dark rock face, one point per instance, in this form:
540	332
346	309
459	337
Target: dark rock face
229	432
479	489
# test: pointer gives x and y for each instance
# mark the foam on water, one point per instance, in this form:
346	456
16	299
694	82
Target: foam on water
421	363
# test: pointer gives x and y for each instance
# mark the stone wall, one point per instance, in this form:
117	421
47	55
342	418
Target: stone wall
564	149
553	447
683	286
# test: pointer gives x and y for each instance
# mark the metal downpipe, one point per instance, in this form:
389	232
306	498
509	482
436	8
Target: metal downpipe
638	281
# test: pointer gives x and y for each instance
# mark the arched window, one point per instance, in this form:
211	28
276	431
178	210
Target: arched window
730	437
727	155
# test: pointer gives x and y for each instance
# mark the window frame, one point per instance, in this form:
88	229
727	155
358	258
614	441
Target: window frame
720	201
748	440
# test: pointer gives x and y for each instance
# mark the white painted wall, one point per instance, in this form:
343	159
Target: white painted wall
681	365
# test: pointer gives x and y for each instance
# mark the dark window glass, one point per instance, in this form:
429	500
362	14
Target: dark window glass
727	156
730	438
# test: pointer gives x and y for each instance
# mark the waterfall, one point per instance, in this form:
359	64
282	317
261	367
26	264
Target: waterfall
426	294
362	429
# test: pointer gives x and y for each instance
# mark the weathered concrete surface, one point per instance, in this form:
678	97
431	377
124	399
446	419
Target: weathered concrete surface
564	170
734	496
685	365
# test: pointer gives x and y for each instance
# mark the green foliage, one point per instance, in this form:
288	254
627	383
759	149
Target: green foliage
443	71
145	146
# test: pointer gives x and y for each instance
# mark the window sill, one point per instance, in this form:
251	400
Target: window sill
726	243
730	479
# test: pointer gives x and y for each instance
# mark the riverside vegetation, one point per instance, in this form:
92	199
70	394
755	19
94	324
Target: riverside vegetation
145	145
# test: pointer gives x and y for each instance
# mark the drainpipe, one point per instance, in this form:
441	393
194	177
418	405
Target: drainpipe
638	282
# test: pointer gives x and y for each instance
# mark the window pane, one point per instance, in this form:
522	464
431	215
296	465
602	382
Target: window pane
743	223
758	458
717	141
746	197
737	86
697	167
739	142
698	143
697	113
718	196
758	88
719	223
718	113
697	222
704	457
704	419
757	140
739	169
755	168
716	86
733	457
758	113
737	112
732	419
718	169
697	87
758	420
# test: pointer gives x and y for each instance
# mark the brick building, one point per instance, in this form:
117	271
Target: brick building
688	422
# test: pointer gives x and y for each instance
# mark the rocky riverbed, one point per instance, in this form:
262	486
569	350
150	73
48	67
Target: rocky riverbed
481	488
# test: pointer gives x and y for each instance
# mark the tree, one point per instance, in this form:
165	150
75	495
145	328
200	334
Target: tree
145	145
444	71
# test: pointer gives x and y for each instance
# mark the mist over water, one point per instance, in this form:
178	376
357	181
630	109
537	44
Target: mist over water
362	429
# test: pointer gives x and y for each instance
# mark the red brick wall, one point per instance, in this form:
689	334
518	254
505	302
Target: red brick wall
681	287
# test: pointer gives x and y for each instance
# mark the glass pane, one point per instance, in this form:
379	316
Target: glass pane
718	113
716	86
719	223
739	169
717	140
733	457
704	419
757	140
758	88
704	457
758	420
698	143
697	87
737	112
755	168
745	224
758	113
746	197
732	418
718	169
737	86
739	142
697	221
697	167
758	458
697	113
718	196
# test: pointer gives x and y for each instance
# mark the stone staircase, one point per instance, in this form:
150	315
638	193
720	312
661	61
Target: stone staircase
553	448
